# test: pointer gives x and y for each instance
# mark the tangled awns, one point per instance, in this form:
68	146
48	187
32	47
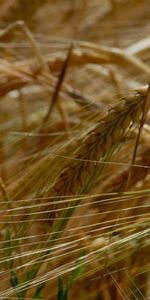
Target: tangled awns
74	149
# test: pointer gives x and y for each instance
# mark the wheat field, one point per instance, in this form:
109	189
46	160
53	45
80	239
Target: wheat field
74	149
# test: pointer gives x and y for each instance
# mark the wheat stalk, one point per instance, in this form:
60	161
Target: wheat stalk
85	53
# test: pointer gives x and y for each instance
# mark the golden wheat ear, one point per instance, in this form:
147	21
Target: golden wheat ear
80	174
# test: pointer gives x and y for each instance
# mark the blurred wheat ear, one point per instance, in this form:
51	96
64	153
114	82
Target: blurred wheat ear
13	10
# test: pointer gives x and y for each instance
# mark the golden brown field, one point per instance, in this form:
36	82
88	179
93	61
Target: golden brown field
74	149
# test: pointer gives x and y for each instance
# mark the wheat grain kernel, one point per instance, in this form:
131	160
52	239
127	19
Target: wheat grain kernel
136	115
117	133
91	139
67	173
60	184
112	116
126	122
100	128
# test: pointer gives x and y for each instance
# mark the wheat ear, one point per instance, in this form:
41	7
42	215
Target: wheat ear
79	174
